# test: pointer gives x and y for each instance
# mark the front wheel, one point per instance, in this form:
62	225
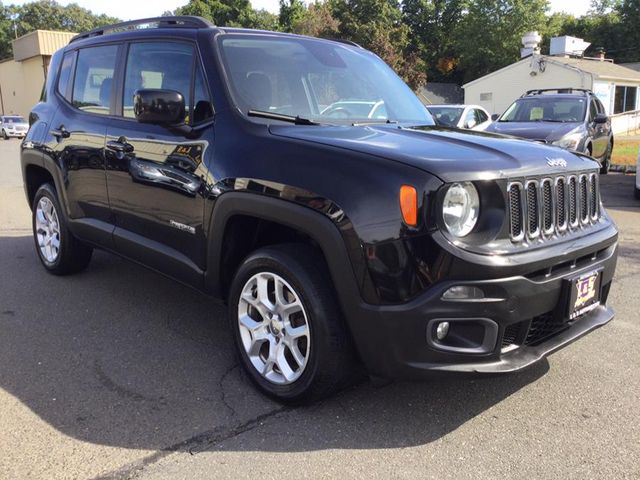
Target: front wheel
4	135
59	251
606	160
288	329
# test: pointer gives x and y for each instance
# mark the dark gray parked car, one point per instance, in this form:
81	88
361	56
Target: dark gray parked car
569	118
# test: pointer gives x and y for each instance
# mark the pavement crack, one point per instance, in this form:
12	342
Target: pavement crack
192	445
223	392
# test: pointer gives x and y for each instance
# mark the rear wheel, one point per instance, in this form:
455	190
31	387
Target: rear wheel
59	251
289	331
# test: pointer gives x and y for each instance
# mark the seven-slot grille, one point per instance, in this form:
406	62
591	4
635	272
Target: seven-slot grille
552	205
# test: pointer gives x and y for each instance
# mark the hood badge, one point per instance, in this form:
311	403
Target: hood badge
556	162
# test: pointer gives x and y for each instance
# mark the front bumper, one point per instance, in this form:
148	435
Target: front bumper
15	134
527	311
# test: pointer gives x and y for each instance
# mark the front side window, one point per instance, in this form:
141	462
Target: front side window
167	66
93	82
481	116
323	81
541	109
593	111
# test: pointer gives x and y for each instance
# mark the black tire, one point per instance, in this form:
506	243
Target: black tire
636	191
4	135
331	365
606	160
73	255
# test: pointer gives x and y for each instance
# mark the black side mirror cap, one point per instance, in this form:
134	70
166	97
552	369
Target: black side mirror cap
601	118
495	116
160	107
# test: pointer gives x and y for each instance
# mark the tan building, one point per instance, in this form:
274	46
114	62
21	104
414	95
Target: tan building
23	76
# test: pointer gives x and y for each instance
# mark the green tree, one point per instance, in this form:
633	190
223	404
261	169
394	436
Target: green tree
431	23
489	35
317	21
226	13
292	12
6	32
628	46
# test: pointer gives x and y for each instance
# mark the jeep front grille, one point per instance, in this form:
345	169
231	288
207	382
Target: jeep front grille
552	205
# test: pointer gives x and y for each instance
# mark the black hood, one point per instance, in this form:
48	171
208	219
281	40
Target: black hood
546	131
450	154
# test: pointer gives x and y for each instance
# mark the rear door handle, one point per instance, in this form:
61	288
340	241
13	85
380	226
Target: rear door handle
60	132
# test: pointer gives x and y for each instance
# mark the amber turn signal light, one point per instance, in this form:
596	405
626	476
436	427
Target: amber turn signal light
409	205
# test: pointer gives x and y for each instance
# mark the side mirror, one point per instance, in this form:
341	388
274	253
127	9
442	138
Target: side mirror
601	118
160	107
494	117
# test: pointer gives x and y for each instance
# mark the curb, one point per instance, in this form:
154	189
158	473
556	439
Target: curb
623	168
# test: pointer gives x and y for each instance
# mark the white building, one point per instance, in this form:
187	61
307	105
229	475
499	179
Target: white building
616	86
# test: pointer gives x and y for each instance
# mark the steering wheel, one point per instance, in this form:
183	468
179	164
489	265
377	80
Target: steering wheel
337	112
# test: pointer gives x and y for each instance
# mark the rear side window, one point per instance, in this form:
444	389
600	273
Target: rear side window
168	66
93	81
481	117
65	75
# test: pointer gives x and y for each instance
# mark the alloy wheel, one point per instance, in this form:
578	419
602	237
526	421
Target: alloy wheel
48	230
274	328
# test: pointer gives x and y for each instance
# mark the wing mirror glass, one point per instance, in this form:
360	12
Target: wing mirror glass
601	118
160	107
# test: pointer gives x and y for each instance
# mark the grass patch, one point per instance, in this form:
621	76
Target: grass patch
625	152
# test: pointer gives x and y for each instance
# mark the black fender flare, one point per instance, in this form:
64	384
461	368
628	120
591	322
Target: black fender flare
304	219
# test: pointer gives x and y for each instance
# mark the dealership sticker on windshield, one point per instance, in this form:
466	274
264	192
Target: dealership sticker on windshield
585	293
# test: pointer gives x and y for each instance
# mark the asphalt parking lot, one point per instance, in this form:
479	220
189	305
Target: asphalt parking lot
120	373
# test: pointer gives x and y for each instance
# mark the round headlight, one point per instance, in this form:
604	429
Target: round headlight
460	208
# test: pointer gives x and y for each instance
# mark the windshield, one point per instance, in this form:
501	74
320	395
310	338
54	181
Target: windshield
540	109
14	120
447	116
322	81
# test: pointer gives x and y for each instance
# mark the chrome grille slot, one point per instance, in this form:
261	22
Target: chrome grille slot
561	204
595	196
532	209
516	226
552	205
584	199
548	226
573	201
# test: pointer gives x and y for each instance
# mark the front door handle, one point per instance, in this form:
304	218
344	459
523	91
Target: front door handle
120	145
60	132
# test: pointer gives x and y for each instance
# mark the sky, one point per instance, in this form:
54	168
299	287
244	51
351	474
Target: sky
132	9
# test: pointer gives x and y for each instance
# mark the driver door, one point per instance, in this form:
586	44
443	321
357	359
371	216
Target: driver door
155	174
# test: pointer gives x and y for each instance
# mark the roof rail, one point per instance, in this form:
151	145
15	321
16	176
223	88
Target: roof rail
540	91
184	21
346	42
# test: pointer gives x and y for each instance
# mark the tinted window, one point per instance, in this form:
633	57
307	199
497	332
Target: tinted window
593	111
65	74
162	65
481	117
93	82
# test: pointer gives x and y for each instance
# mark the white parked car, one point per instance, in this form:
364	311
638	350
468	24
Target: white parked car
13	126
470	117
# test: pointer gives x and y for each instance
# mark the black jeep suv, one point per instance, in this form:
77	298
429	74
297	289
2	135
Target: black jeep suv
238	162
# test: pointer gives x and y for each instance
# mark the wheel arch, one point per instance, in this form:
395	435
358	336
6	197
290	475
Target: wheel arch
311	225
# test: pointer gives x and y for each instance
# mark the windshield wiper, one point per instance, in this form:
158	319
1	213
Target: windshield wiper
373	122
298	120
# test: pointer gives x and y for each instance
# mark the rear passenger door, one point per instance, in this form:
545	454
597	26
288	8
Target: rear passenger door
76	137
156	176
